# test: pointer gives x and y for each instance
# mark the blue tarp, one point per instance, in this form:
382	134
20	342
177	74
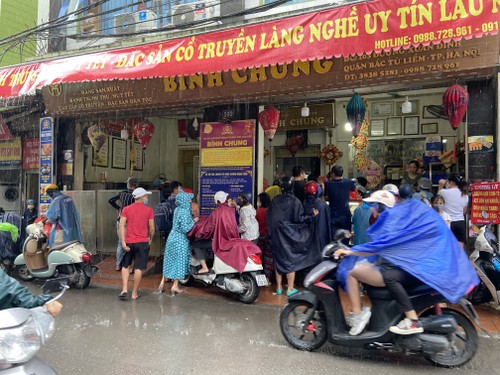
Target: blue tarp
415	238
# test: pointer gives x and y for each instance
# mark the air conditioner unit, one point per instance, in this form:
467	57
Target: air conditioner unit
142	20
186	14
9	197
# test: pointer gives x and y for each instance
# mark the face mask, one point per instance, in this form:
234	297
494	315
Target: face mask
30	207
146	202
440	206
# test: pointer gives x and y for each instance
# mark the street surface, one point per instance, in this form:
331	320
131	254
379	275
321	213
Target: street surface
158	334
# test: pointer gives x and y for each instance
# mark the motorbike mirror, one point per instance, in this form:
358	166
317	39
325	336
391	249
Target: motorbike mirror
341	234
55	285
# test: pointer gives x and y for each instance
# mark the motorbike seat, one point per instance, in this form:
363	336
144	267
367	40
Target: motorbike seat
61	246
384	294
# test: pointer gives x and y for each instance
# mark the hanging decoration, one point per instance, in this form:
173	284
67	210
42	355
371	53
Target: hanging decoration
330	154
360	142
360	160
455	101
373	173
296	140
143	131
97	136
356	110
266	152
269	119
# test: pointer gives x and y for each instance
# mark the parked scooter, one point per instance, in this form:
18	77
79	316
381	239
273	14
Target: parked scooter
314	315
24	331
69	259
245	286
486	261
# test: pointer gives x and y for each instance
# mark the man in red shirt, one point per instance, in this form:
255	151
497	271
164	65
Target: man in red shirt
137	228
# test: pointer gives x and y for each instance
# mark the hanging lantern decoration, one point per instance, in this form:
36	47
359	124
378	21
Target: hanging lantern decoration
356	110
269	119
360	160
330	154
360	142
294	143
455	101
143	131
97	136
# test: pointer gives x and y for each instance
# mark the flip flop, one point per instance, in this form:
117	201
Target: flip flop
123	296
209	272
136	298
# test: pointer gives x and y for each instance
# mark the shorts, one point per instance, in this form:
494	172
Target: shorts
139	253
458	229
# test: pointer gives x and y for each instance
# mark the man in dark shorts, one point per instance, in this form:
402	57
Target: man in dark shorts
137	228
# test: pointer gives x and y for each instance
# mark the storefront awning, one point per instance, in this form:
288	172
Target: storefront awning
378	25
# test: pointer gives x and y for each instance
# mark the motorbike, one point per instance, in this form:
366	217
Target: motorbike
486	261
24	331
245	286
37	260
314	315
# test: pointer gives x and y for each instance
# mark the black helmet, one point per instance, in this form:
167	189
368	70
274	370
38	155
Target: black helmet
246	195
287	184
405	191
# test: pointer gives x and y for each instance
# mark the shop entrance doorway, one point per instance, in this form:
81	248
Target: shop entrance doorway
307	157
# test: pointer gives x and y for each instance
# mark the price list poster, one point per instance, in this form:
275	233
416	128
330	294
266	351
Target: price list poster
226	160
485	203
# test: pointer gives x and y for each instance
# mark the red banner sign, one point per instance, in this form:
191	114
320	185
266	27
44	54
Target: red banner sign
31	153
357	29
485	203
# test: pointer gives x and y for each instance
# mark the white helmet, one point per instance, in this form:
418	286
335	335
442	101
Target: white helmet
392	188
220	196
382	196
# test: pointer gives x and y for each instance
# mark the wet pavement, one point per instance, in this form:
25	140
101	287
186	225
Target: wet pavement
489	318
159	334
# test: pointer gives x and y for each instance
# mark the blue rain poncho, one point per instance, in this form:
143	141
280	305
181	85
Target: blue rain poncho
63	211
415	238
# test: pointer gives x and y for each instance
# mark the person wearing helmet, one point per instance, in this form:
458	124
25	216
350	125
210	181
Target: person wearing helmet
290	236
312	202
30	214
64	216
392	188
413	246
248	226
424	194
405	192
221	227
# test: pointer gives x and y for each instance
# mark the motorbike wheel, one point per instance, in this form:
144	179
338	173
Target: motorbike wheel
464	344
23	273
252	289
302	334
81	280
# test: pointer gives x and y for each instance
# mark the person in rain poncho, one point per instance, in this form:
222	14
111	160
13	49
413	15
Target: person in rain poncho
291	236
414	246
64	216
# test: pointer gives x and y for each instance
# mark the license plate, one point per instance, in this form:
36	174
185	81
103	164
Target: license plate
261	280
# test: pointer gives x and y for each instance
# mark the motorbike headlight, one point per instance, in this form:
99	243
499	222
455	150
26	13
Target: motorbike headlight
22	333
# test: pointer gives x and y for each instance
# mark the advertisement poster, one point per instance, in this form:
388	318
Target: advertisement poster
481	143
31	153
46	160
10	152
226	160
485	203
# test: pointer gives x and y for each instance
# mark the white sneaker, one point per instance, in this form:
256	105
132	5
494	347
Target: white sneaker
359	321
349	316
407	327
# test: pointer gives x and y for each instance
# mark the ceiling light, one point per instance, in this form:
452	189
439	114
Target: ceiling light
407	106
305	110
445	140
195	123
348	127
124	133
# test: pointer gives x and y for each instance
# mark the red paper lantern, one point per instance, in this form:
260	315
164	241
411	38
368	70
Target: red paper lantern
455	101
269	119
143	131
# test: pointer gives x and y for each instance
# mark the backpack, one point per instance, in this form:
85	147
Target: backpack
164	213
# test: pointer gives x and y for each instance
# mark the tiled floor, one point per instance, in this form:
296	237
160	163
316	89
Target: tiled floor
489	318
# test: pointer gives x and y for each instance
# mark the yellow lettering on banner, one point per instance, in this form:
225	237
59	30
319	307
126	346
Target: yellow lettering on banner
459	11
286	37
496	6
418	15
226	157
301	66
238	77
372	18
276	73
258	74
214	80
169	84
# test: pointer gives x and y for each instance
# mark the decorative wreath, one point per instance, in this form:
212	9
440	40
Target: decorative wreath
266	152
330	154
360	161
360	142
364	126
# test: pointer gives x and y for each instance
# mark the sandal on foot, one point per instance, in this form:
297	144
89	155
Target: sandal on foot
209	272
123	296
291	292
279	292
136	298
